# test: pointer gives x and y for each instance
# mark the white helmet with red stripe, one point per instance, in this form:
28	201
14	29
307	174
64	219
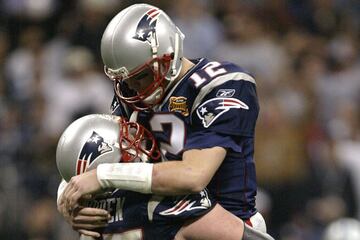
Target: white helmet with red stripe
99	138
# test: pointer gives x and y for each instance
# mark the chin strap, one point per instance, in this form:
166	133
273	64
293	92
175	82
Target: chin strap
175	57
154	97
154	50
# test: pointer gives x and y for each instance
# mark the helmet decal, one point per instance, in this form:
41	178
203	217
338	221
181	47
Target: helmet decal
92	149
145	29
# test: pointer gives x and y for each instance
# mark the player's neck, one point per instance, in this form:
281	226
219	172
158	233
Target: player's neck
186	66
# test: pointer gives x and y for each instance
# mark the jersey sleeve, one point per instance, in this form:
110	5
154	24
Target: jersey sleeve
231	108
226	116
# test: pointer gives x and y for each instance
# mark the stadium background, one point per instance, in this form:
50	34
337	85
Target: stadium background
304	55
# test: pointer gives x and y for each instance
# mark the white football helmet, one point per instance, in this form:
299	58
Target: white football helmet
139	40
343	229
99	138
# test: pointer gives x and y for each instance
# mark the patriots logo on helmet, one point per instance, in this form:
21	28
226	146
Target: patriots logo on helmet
92	149
213	108
145	29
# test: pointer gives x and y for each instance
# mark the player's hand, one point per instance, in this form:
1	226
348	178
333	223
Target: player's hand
78	187
84	219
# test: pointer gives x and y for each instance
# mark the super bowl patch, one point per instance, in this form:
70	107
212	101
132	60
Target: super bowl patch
178	104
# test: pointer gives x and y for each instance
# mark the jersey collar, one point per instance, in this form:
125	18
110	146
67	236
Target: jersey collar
199	63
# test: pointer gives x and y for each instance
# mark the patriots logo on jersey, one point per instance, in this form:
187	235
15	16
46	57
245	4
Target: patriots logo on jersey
189	204
145	29
213	108
92	149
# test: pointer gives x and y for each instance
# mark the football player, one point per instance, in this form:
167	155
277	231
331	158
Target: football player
98	138
201	112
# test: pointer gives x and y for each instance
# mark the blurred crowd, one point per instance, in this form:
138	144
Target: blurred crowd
304	55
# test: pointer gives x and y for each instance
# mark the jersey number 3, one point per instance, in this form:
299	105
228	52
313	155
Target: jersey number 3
176	140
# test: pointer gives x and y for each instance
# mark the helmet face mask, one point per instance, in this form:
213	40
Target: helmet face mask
156	68
99	138
141	38
136	138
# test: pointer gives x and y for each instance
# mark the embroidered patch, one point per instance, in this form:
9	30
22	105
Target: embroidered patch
225	93
213	108
178	104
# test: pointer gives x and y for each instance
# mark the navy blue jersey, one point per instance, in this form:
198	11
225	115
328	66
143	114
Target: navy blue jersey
149	217
214	104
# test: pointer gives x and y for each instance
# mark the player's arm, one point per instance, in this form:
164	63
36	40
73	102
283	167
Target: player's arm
190	175
197	167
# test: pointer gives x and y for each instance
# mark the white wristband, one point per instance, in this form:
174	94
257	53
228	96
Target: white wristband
126	176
